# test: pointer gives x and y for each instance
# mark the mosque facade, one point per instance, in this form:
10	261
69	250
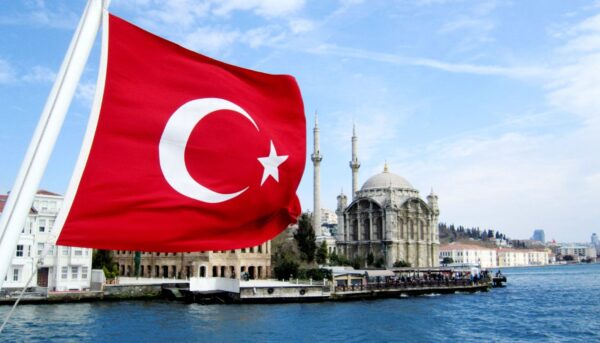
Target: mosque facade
387	218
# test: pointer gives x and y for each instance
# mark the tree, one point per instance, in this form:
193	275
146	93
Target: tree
305	238
137	259
380	262
321	255
401	264
102	259
357	262
284	258
447	260
370	259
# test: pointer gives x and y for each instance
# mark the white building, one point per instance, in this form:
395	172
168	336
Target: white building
579	251
469	254
64	268
508	257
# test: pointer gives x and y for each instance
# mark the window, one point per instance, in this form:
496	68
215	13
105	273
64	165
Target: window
84	272
77	252
50	225
40	249
65	251
64	271
51	250
16	274
74	272
42	226
19	252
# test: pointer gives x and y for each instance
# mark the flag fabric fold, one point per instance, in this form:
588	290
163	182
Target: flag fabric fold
183	152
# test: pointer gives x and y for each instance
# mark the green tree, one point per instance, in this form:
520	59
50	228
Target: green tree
357	262
102	259
284	257
370	259
447	260
401	264
305	238
380	262
137	259
321	255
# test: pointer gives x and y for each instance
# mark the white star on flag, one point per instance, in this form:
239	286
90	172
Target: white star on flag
271	164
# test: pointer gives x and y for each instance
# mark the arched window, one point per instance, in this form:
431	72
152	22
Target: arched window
379	225
215	271
422	230
355	230
222	271
411	229
202	272
366	229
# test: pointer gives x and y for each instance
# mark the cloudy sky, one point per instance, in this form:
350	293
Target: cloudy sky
493	104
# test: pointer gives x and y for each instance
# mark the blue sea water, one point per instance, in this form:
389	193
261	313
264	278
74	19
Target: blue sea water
545	304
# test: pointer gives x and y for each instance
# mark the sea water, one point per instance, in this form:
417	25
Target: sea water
542	304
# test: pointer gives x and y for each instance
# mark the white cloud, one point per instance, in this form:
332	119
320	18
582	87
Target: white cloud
7	72
301	25
86	91
576	84
212	41
55	15
265	8
39	74
513	72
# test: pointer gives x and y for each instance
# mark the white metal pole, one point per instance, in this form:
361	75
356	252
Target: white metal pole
32	169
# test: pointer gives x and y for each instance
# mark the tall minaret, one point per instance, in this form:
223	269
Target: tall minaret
316	158
354	164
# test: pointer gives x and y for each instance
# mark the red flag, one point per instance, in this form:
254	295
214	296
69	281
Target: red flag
183	152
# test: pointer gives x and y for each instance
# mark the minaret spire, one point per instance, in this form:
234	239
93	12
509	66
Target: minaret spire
316	158
354	163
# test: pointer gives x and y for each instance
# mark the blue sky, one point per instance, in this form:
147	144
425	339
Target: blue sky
494	104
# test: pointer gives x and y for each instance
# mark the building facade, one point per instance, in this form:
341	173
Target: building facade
255	262
388	219
470	254
579	251
63	268
508	257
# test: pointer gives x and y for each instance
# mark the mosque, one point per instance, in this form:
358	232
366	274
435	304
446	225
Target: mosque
386	217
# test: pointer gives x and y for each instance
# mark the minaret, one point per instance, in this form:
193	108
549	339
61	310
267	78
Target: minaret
354	164
316	158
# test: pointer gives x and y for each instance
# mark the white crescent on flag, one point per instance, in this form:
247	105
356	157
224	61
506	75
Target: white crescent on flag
174	141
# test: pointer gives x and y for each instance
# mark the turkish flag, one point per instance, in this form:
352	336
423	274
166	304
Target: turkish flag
183	152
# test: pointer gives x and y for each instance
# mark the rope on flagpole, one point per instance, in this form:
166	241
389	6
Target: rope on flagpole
9	315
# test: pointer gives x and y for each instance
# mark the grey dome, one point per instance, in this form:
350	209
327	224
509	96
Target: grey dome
386	180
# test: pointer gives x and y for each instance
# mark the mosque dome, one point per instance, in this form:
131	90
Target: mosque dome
386	180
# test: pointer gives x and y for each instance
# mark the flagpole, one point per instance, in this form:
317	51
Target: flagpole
34	164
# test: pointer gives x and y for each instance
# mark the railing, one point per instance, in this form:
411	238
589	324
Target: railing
411	284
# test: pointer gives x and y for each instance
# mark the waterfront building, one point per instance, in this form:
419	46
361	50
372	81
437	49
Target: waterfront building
579	251
253	261
470	254
539	235
388	219
596	243
508	257
63	268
